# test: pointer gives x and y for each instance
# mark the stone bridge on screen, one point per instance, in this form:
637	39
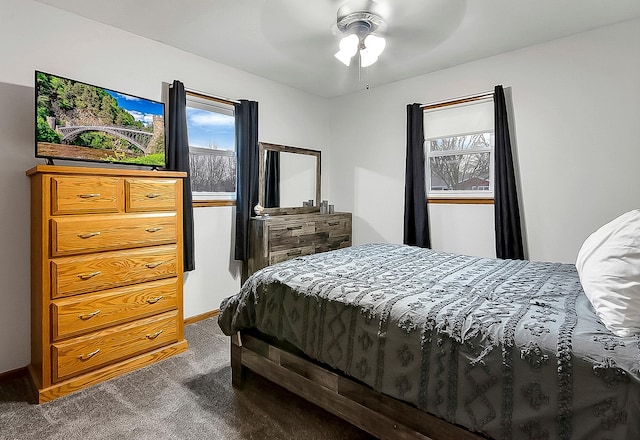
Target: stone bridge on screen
138	138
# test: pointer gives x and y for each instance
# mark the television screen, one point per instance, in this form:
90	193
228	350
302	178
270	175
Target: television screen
78	121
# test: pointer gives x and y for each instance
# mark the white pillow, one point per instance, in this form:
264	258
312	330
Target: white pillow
609	267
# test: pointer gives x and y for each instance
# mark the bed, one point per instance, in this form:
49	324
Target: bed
408	342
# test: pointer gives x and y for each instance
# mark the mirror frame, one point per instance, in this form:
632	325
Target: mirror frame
265	146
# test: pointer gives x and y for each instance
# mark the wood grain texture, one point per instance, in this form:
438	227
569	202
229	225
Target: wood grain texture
279	238
103	347
39	281
48	393
238	371
202	316
93	172
78	195
376	413
212	203
93	272
96	274
83	313
150	195
74	235
359	415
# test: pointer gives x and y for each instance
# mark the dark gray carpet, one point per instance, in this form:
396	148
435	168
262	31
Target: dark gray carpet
188	396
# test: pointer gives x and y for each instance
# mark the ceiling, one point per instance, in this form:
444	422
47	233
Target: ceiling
293	41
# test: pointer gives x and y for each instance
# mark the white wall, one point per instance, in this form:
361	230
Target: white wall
462	229
576	124
36	36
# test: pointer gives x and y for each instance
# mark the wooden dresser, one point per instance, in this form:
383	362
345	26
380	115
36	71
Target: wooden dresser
281	237
106	274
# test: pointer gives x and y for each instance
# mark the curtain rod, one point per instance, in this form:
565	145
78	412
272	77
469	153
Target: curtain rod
459	100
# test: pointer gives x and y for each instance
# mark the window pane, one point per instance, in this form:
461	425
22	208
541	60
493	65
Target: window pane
212	171
210	129
212	156
468	142
460	172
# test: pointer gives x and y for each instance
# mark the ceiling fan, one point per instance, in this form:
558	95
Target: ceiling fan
308	32
362	24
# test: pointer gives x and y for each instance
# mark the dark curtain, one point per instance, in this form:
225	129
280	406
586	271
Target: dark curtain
178	160
246	113
416	221
272	180
507	212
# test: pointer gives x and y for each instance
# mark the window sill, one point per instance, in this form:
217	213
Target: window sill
209	203
460	201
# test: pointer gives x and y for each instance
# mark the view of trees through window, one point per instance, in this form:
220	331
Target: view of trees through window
460	163
212	155
212	171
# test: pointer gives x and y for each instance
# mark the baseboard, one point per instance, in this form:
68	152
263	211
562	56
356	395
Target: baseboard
196	318
12	374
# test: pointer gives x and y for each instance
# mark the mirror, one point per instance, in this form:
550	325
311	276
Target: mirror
288	177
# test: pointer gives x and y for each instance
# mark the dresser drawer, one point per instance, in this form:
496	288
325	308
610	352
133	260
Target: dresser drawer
287	254
83	313
110	345
90	273
72	235
294	236
334	243
76	195
334	225
150	195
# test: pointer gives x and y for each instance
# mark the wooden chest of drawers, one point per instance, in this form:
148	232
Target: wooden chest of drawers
106	264
281	237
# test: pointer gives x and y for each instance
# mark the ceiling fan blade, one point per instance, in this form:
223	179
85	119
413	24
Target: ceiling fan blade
314	21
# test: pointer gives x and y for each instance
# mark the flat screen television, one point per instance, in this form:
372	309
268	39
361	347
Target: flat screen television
78	121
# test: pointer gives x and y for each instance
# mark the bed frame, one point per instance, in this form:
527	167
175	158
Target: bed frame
382	416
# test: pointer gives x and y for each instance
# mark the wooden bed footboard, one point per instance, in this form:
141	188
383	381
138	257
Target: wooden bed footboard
358	404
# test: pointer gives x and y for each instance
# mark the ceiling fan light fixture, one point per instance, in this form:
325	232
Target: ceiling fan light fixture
374	44
367	58
348	48
344	58
360	19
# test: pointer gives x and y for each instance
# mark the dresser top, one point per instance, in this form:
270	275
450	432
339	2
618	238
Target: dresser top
299	217
94	171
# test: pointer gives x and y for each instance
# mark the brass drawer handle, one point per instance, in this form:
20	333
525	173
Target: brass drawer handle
156	229
86	357
293	228
89	315
89	196
154	335
154	300
154	265
153	195
86	276
292	253
89	234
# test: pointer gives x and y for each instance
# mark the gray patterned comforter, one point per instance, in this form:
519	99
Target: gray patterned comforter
511	349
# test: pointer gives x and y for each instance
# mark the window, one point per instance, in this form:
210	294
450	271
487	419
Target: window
459	144
212	148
